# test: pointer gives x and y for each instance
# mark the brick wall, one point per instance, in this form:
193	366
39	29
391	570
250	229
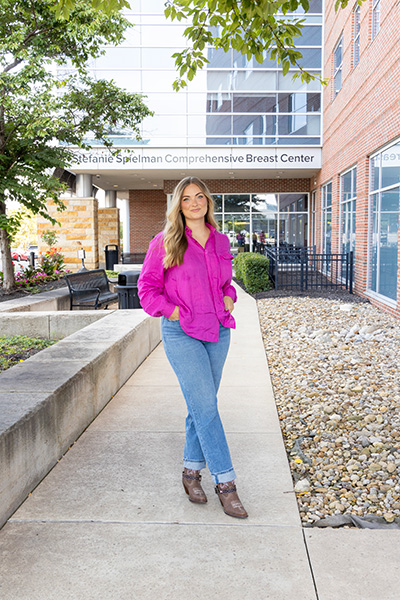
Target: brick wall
364	116
79	223
147	214
109	231
249	186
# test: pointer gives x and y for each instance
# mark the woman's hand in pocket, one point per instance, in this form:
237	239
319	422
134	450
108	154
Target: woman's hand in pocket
175	315
228	302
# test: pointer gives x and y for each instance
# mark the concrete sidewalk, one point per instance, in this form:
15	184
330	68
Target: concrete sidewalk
111	520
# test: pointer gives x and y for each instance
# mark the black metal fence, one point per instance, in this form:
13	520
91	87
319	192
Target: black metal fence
304	269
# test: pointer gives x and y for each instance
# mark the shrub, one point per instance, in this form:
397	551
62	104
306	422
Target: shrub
252	269
239	262
255	273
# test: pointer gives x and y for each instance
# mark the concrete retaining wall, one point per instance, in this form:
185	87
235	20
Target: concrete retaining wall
47	401
53	325
53	300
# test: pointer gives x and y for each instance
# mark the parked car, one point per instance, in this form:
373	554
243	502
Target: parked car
19	255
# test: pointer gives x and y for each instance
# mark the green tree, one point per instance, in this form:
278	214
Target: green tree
255	28
64	7
37	107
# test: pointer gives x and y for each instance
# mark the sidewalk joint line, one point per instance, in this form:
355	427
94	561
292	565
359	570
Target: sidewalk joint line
310	565
121	522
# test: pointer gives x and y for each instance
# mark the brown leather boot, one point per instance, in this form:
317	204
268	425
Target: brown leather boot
230	500
191	482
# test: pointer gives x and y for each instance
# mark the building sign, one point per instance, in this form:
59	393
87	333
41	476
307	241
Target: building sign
198	158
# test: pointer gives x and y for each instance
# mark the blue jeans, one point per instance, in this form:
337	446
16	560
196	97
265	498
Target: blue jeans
198	366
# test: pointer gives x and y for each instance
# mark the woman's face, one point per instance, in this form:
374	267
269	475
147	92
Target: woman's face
194	203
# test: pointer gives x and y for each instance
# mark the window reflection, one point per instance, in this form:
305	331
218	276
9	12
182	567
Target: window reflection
256	221
246	102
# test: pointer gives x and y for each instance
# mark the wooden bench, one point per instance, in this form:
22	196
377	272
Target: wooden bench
90	289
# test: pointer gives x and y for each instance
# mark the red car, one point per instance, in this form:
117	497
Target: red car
18	255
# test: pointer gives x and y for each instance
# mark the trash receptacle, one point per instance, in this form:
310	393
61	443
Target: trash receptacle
111	256
127	290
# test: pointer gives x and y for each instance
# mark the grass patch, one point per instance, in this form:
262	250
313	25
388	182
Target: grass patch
18	348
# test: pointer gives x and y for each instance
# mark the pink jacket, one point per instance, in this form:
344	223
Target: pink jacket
197	286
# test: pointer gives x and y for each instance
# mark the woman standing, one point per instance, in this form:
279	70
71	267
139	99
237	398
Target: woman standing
186	280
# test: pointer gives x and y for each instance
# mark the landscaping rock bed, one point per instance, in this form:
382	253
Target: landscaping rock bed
334	368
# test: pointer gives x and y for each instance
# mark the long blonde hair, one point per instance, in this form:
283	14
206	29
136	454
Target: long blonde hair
175	240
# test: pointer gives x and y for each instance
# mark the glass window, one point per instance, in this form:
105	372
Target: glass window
337	67
237	228
292	230
385	168
237	202
265	229
356	42
390	166
384	222
264	203
254	221
219	59
254	124
311	58
299	124
286	83
219	102
211	141
326	218
267	63
298	141
315	6
251	103
313	216
219	80
253	80
310	36
348	193
376	17
299	102
292	202
232	101
217	202
215	125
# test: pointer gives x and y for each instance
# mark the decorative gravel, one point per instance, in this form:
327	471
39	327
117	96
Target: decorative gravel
334	365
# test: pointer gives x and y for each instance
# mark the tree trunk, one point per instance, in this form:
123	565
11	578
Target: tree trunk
5	256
